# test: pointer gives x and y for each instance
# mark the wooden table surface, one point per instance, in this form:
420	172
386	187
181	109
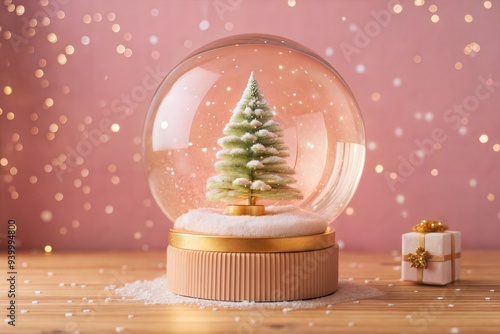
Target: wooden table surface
65	293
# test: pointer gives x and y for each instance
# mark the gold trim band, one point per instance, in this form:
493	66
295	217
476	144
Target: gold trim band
235	244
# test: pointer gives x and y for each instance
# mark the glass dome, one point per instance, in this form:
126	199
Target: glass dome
320	118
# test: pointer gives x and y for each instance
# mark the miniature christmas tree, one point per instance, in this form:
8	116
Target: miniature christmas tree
251	163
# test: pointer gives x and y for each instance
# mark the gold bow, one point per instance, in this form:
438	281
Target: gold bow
430	226
419	259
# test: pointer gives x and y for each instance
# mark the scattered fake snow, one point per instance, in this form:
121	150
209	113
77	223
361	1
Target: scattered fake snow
279	221
155	292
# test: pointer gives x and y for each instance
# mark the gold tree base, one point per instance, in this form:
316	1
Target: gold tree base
244	210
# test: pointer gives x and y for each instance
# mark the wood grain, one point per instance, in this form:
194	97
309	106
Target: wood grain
65	293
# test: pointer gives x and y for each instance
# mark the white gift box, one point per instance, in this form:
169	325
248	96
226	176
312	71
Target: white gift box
431	258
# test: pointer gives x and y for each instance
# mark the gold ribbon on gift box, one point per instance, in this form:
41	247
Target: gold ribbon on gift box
426	226
421	257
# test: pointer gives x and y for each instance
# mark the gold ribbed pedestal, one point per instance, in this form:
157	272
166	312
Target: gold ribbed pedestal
252	269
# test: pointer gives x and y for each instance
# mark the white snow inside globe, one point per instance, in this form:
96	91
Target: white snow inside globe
253	119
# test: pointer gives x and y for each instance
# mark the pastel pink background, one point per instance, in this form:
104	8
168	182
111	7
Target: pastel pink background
407	72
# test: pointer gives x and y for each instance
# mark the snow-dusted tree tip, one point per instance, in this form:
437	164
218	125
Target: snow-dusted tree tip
251	162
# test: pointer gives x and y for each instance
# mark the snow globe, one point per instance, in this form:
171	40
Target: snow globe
253	145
